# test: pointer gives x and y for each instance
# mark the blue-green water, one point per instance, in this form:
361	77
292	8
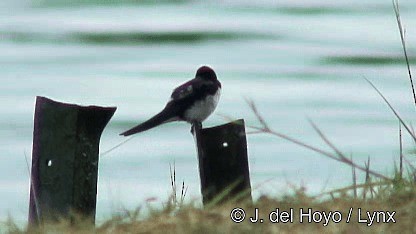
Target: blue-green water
295	59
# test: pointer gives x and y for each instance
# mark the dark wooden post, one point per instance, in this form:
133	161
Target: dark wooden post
223	162
65	160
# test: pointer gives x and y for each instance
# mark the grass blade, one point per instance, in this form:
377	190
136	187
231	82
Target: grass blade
402	39
392	109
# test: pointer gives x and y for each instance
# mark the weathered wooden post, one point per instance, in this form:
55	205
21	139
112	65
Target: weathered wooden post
223	162
65	160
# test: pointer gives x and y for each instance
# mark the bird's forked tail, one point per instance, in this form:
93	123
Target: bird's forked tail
163	117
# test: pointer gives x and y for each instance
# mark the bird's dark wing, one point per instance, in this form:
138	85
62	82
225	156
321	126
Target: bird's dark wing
187	90
195	89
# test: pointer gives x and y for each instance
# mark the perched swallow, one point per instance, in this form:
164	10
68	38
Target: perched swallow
192	102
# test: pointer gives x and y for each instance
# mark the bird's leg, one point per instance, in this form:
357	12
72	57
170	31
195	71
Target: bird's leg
192	128
195	125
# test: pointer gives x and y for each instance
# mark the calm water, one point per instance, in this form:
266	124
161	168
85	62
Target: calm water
295	59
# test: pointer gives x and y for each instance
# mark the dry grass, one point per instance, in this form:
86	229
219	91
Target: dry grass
217	220
189	218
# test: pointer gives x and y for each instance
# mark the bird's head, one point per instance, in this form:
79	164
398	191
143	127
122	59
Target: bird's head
206	73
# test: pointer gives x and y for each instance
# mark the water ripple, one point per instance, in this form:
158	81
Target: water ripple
129	38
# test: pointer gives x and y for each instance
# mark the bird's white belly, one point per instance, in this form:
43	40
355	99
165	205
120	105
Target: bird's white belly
200	110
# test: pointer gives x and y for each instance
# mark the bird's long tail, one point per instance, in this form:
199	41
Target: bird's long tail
163	117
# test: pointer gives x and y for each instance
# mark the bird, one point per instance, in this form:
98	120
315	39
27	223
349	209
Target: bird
193	102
